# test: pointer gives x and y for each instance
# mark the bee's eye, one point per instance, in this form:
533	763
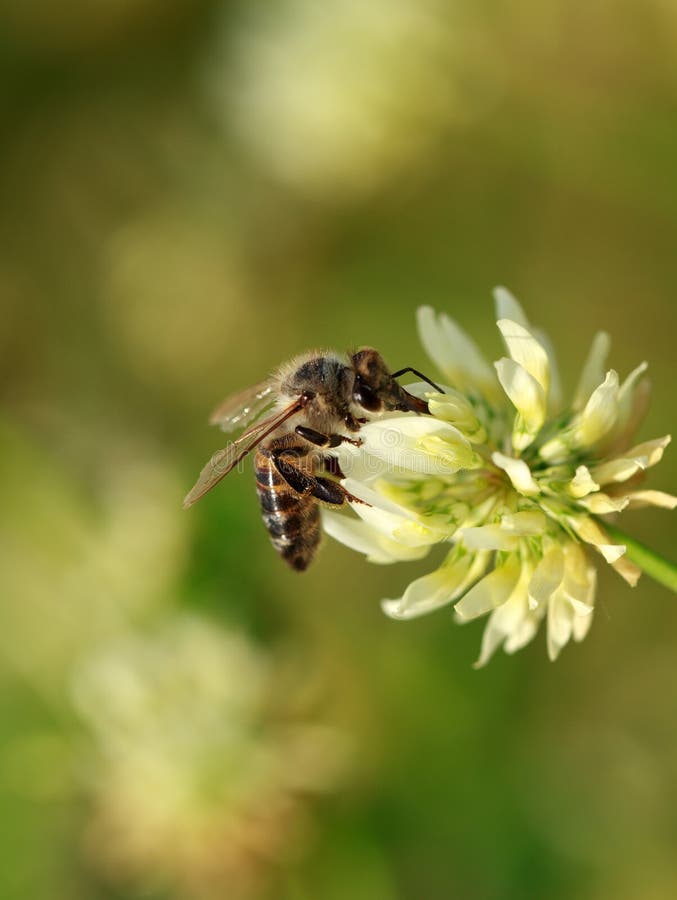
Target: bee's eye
365	396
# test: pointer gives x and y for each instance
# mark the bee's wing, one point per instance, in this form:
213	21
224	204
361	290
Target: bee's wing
245	406
224	460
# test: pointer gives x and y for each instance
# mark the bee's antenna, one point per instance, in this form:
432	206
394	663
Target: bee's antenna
420	375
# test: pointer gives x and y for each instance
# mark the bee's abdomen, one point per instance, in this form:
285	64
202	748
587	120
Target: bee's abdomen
292	520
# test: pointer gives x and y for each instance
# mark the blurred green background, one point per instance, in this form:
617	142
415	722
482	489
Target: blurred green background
190	193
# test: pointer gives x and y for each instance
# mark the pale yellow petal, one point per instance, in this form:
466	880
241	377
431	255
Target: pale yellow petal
628	388
555	393
547	576
524	633
417	444
582	483
617	470
570	608
422	596
518	472
652	450
493	590
627	570
638	499
395	522
593	370
506	619
630	397
632	420
600	413
525	350
634	460
581	624
602	504
438	588
508	307
528	522
489	537
492	638
453	352
454	408
575	584
560	624
446	454
590	532
528	398
359	536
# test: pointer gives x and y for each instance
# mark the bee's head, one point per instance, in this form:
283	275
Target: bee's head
376	390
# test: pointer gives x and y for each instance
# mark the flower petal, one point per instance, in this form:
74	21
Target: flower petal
508	307
453	352
602	504
547	577
629	419
591	533
518	472
627	390
438	588
489	537
600	413
560	624
627	570
454	408
638	499
525	350
582	483
493	590
593	370
630	399
528	398
632	461
418	444
506	619
576	585
581	624
555	393
393	521
527	522
360	536
522	634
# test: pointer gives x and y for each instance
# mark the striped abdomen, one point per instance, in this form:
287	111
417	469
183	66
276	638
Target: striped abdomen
292	520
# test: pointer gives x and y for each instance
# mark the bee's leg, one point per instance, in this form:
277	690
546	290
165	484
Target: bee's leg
329	491
325	440
353	424
331	465
286	461
303	482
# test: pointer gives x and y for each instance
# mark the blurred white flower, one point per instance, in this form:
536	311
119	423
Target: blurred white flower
511	479
72	572
200	781
336	98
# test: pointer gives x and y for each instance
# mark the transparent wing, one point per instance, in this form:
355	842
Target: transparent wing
242	408
223	461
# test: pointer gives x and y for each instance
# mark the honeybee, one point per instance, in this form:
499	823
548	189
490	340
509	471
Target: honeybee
314	398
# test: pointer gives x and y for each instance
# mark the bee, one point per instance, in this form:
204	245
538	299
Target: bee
314	398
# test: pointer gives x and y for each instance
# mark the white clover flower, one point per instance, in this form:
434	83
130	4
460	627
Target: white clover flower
200	774
337	98
510	477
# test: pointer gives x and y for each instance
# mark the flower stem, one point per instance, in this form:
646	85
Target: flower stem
655	565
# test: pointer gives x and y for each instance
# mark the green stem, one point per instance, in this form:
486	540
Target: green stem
655	565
